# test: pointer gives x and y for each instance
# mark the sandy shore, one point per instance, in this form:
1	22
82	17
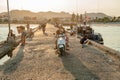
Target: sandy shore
38	61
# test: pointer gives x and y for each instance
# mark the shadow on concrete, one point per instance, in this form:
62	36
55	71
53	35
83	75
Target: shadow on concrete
46	34
11	65
77	68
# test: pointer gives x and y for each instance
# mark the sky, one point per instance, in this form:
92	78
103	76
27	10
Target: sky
109	7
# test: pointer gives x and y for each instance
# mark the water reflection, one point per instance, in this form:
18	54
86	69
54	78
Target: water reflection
4	59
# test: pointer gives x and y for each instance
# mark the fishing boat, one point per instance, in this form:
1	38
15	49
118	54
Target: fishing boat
86	29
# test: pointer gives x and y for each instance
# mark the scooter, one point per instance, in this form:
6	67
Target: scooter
61	45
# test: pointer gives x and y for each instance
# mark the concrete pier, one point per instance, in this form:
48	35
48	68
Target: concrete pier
38	61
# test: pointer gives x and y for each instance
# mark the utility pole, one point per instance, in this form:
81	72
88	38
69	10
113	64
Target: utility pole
8	14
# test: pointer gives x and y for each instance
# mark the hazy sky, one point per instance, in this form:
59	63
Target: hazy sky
110	7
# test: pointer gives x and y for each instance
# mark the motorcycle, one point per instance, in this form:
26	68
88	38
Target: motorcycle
61	44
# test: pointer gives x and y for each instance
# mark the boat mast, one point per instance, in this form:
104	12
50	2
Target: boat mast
85	16
85	21
8	14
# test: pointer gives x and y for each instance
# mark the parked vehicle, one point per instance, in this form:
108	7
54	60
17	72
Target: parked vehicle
61	44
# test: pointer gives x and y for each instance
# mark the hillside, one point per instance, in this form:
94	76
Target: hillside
20	14
99	15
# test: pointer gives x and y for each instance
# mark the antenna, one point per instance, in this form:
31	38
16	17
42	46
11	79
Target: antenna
85	16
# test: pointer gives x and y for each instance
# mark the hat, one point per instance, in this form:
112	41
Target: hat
22	27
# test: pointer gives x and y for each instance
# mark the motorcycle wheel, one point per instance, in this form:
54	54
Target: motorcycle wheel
62	51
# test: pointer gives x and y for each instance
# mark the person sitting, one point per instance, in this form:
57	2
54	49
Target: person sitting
11	34
11	37
83	40
62	31
67	41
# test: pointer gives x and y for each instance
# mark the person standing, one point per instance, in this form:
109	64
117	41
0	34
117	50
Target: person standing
39	26
43	26
21	29
28	31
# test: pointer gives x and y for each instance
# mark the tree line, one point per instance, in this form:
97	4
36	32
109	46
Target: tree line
81	18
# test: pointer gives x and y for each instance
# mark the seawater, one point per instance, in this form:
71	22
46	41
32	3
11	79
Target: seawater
4	29
110	34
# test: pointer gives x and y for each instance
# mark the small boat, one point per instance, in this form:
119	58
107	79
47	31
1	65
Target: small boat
85	29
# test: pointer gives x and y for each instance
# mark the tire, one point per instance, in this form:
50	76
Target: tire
62	51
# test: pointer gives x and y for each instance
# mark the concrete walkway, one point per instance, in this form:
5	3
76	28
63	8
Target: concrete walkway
38	61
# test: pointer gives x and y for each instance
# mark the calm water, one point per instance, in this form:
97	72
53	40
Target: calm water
4	30
110	34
